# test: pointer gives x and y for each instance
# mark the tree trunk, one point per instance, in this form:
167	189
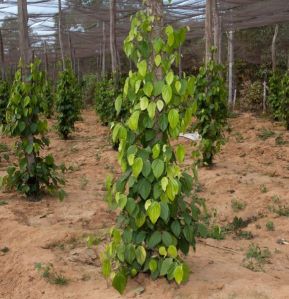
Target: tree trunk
103	71
46	59
155	8
60	34
2	57
274	48
217	33
70	47
208	30
231	64
112	39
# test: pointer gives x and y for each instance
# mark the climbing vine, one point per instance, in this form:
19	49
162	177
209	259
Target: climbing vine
4	97
210	96
156	222
68	103
32	174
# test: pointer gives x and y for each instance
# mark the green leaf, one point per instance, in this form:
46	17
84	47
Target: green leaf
165	266
146	170
178	274
119	282
164	183
165	212
137	167
133	121
162	251
29	148
172	251
167	238
144	102
152	109
158	60
176	228
137	85
153	265
118	104
154	212
167	93
156	150
154	239
144	188
130	253
148	89
173	118
140	255
140	219
180	153
178	86
160	105
170	78
106	268
142	68
158	167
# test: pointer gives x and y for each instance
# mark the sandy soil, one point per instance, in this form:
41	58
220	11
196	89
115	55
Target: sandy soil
249	170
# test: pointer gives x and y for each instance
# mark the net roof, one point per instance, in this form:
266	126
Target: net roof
83	22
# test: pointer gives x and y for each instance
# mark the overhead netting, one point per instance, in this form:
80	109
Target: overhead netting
86	29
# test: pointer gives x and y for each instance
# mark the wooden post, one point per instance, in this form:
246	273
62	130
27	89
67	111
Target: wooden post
60	33
112	39
25	52
46	59
2	57
70	47
217	34
208	31
264	95
103	71
274	48
231	64
155	8
180	62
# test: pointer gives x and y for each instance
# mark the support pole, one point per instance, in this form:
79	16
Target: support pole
2	57
60	33
208	30
274	48
231	65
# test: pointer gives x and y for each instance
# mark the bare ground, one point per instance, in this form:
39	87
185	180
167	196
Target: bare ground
248	170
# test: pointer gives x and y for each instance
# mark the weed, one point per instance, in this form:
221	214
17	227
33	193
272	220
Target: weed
92	240
279	140
237	205
247	235
3	203
281	210
256	258
83	182
270	226
265	134
276	199
50	275
263	188
3	148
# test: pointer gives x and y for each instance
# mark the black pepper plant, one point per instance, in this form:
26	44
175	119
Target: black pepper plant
33	173
68	102
211	116
157	222
4	98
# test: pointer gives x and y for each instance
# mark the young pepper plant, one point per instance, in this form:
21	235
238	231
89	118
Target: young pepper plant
33	173
212	112
67	101
156	221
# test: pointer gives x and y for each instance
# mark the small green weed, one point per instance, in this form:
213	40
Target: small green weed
247	235
237	205
265	134
263	188
279	140
49	274
3	203
270	226
83	182
256	258
4	249
3	148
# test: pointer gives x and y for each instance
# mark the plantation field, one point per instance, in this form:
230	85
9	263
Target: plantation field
250	180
